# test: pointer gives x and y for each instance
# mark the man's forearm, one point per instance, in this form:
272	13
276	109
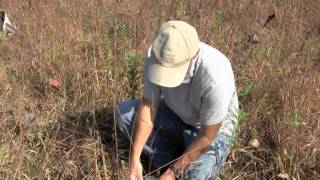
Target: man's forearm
142	132
198	146
143	126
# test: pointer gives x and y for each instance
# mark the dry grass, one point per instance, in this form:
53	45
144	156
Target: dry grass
85	46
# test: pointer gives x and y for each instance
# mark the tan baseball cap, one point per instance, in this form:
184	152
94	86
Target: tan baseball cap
172	50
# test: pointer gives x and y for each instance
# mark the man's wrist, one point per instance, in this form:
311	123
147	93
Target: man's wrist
134	158
177	172
182	163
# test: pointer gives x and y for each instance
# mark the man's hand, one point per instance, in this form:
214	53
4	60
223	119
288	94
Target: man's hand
135	170
168	175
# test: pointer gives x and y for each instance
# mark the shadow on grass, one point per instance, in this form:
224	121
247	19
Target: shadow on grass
100	124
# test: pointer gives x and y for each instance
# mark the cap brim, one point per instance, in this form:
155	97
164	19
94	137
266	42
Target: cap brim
164	76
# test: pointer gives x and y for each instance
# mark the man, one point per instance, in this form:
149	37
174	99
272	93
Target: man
188	107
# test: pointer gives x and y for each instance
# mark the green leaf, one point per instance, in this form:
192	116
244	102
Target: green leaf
132	60
246	90
241	115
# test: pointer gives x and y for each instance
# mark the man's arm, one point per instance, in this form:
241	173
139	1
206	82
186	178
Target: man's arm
143	126
206	136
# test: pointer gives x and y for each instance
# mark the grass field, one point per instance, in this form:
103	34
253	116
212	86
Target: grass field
72	61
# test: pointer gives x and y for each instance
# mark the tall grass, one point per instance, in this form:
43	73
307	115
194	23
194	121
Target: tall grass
95	50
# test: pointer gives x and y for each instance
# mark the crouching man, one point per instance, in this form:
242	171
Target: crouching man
186	118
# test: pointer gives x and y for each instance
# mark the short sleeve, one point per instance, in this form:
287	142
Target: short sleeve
150	91
214	105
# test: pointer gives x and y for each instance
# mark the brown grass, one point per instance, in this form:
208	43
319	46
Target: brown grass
85	45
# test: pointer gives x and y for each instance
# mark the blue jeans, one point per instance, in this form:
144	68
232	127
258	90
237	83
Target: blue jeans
170	137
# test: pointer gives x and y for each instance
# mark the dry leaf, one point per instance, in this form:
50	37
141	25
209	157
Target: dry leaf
55	83
284	176
254	143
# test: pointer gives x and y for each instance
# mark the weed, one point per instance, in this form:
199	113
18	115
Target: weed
106	49
218	21
132	62
68	53
295	117
246	90
241	115
58	44
49	57
122	30
264	53
288	159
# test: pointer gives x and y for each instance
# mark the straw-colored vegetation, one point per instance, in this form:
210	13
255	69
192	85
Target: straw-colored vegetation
71	62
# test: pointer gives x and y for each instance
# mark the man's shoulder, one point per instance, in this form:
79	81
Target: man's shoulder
213	64
208	49
211	54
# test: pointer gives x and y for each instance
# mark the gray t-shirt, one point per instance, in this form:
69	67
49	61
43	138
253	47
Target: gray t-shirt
207	95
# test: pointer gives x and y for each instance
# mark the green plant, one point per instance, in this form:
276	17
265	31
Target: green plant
122	30
246	90
218	21
295	117
49	57
264	53
106	48
132	73
288	159
58	44
68	53
241	115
